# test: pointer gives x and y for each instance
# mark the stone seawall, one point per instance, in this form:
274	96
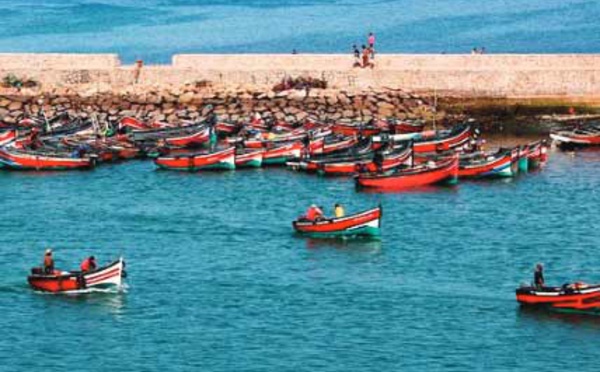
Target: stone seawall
240	85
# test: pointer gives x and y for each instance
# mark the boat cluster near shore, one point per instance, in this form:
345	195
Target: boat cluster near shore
381	155
385	155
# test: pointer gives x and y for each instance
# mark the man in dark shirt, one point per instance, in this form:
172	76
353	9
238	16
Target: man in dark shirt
538	276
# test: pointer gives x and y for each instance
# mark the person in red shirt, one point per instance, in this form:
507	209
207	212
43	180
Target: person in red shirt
89	264
313	213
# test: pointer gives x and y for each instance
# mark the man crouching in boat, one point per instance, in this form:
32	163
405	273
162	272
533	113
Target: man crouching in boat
313	213
89	264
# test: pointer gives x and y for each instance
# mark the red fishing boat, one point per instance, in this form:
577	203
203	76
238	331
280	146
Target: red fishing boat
226	128
427	174
36	160
282	153
390	160
104	277
133	123
537	154
586	136
249	158
188	135
480	165
198	137
439	141
324	145
576	297
195	161
367	223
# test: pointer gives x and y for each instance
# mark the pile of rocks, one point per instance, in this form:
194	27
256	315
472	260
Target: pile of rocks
195	100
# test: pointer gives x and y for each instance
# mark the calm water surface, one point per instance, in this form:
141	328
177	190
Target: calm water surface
155	29
218	282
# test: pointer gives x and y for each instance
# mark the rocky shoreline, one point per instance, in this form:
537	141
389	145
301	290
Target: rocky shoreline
193	101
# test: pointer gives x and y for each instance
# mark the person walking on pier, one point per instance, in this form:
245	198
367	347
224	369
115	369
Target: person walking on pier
371	42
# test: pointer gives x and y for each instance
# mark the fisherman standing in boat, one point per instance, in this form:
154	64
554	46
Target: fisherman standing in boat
48	262
89	264
339	211
538	276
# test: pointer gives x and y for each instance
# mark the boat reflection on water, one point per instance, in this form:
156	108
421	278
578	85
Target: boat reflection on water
587	319
369	245
111	301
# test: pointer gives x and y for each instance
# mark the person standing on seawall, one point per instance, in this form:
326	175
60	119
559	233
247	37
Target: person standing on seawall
371	42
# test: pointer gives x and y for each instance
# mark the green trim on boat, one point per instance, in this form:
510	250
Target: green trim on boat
523	164
366	231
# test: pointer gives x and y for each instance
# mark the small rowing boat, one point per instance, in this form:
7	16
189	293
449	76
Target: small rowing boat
108	276
367	223
445	170
195	161
576	297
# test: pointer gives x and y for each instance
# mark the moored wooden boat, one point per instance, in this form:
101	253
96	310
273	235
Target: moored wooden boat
195	138
442	140
575	297
107	276
577	137
195	161
390	160
324	145
43	161
486	165
249	158
445	170
367	223
281	154
537	154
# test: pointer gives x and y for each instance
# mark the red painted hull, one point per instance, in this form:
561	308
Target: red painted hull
111	274
32	161
251	158
200	137
355	130
320	147
129	122
443	144
224	159
226	128
283	152
340	225
411	178
348	168
475	170
573	297
407	127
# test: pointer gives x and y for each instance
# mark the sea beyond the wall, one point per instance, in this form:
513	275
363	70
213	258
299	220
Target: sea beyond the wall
154	30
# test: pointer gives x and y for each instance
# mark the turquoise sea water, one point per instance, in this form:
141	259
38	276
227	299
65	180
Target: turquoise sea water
153	30
218	282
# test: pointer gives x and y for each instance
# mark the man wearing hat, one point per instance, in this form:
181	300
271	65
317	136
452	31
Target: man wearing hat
48	262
